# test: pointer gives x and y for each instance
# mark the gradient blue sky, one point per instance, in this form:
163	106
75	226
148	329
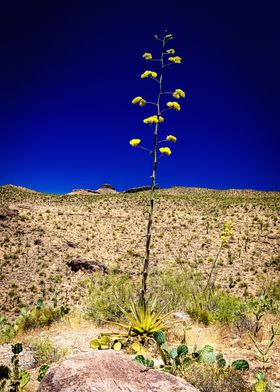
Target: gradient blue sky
69	70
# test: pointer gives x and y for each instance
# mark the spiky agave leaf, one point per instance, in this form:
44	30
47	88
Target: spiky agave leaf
143	319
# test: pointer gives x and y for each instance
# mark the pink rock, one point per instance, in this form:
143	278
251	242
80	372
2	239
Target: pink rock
109	371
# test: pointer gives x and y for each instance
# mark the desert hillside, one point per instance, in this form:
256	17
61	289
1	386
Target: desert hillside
41	234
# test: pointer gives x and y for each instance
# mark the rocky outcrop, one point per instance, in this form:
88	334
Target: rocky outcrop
87	265
103	190
82	192
109	371
106	188
138	189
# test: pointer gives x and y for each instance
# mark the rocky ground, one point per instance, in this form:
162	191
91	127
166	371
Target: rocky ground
40	234
50	245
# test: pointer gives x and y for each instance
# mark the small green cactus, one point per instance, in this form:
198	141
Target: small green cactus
16	377
144	361
159	337
240	364
182	350
173	353
221	363
42	371
219	356
17	348
261	383
208	348
207	357
94	344
24	378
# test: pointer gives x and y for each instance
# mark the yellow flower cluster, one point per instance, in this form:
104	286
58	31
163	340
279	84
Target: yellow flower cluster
176	59
178	93
170	51
146	74
153	119
169	36
165	150
174	105
139	100
226	234
135	142
171	138
147	56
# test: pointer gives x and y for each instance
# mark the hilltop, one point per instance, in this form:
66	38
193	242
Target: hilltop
41	234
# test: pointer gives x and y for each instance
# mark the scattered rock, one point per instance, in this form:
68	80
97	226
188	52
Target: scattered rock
7	213
108	371
182	316
87	265
38	241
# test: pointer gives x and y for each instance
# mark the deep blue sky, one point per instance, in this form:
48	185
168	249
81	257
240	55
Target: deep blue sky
69	70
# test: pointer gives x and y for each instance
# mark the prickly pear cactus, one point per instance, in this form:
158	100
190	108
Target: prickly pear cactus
165	354
159	337
182	350
221	362
260	385
208	348
144	361
24	378
207	357
94	344
240	364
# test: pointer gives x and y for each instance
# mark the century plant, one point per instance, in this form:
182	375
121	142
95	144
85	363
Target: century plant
160	105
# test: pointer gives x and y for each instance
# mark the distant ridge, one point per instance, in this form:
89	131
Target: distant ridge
109	189
19	188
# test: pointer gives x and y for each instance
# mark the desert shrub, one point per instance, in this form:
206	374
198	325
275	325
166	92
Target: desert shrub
226	307
45	351
182	290
38	316
273	290
104	293
212	379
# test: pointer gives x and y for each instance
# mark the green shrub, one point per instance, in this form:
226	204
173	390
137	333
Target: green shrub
226	307
45	351
104	293
209	379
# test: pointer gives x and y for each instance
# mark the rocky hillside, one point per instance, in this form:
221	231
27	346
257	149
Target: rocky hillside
43	236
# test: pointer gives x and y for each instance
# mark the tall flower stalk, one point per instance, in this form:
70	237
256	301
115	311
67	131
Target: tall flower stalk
154	121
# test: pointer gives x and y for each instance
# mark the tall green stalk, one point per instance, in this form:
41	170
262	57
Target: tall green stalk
146	265
154	122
